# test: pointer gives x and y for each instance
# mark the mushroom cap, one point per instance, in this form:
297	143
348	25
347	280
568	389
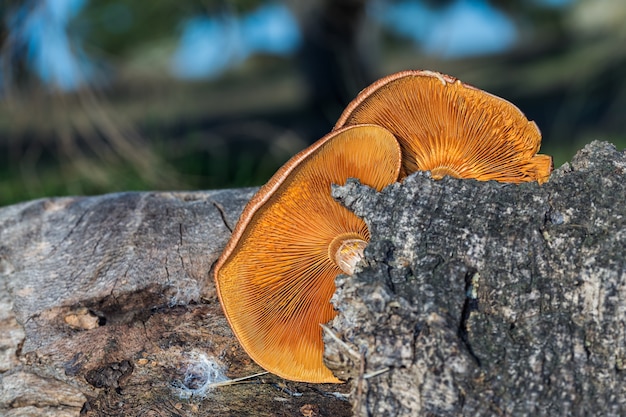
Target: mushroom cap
451	128
276	276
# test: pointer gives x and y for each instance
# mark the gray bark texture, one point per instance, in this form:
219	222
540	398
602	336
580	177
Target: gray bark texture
107	308
489	299
475	298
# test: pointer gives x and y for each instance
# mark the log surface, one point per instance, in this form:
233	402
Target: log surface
109	309
475	298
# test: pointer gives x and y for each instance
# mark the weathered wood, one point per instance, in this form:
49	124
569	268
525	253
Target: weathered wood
475	299
490	299
108	307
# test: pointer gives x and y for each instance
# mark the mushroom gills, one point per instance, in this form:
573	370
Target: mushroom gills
451	128
277	273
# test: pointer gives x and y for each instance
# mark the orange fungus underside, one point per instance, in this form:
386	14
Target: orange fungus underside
276	277
451	128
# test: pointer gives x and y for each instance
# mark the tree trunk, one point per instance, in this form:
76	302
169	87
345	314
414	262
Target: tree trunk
475	298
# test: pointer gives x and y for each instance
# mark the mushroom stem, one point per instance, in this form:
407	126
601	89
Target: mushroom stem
441	171
346	250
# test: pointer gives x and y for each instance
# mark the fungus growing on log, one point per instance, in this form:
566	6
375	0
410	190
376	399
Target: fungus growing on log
450	128
276	275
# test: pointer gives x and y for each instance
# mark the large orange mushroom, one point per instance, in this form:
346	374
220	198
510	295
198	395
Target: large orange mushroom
276	276
450	128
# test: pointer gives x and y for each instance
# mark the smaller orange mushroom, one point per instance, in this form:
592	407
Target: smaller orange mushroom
450	128
276	275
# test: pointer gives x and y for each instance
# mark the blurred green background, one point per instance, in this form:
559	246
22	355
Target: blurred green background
100	96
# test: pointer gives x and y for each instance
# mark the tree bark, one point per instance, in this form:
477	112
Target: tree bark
107	308
475	298
490	299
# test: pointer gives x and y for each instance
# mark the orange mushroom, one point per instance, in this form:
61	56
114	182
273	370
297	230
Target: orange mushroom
276	276
450	128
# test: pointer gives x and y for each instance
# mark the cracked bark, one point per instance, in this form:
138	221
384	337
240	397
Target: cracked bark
109	309
474	299
490	299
